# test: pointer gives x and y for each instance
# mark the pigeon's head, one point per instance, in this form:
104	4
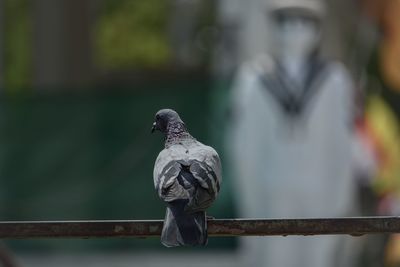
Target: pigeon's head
163	118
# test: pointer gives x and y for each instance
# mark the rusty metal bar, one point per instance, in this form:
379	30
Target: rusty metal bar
355	226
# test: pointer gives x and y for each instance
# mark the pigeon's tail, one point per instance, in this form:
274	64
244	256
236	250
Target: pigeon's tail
183	229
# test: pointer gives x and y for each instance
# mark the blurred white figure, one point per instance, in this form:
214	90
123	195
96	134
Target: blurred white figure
291	140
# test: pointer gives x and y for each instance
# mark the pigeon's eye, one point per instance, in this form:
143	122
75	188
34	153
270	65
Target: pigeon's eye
157	117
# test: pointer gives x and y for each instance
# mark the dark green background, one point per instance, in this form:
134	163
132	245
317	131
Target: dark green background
87	156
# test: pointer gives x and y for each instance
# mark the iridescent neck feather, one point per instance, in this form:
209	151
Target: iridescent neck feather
176	132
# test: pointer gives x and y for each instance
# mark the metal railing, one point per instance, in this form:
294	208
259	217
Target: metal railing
354	226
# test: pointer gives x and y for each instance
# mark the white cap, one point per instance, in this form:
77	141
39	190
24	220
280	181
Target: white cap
313	8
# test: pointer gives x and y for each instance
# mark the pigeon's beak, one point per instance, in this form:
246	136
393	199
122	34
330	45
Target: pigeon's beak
154	127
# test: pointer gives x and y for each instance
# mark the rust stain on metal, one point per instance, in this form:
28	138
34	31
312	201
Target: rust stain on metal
119	229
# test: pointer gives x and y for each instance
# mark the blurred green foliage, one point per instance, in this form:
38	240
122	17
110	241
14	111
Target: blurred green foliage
132	33
125	35
17	45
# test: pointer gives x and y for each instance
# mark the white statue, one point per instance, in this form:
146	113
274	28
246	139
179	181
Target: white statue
291	140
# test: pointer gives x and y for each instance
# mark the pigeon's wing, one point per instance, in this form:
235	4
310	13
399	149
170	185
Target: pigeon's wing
205	166
166	171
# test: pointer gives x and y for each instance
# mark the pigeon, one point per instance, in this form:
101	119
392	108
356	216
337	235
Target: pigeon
187	177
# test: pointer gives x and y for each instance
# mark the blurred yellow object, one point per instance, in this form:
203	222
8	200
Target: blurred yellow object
392	255
383	127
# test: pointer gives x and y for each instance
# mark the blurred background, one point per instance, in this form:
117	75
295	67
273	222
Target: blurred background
81	80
